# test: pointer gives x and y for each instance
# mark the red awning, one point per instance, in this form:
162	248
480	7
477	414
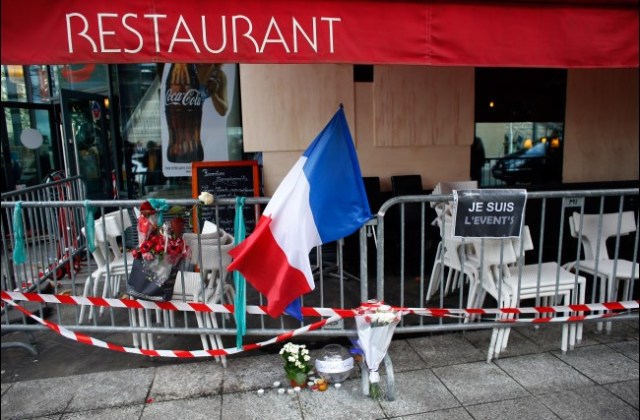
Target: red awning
552	33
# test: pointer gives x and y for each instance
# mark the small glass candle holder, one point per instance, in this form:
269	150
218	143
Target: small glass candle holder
321	384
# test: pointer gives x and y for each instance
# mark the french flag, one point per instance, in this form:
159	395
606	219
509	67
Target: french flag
321	199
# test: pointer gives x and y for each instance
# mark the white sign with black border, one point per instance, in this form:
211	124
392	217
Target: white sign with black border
488	213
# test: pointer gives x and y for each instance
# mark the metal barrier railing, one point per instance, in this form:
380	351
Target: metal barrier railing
331	278
52	233
403	236
410	245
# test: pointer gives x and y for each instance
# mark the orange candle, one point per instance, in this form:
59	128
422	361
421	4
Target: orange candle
321	384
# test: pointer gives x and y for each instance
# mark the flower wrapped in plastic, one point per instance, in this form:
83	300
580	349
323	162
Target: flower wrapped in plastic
158	256
376	323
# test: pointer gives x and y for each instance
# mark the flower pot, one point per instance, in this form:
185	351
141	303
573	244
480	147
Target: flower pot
297	379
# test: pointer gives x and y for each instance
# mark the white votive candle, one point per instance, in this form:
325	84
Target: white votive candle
290	391
261	392
276	384
280	391
338	386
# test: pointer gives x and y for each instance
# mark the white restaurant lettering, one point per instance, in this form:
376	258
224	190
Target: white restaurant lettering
110	25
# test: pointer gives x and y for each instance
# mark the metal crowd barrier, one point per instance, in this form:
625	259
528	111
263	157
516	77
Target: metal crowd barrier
51	238
408	241
391	259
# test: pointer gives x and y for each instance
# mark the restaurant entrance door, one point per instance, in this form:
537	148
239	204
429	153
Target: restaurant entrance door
30	144
89	142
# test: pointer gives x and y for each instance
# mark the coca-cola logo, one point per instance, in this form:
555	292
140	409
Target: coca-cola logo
191	97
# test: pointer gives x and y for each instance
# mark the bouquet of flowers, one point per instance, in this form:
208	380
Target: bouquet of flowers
159	254
297	363
376	323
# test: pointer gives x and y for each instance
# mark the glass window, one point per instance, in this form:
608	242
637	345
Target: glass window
160	140
14	87
30	163
519	117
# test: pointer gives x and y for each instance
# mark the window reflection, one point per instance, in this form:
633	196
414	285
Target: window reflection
520	122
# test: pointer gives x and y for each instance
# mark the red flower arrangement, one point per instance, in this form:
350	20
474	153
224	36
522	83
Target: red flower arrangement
165	243
156	242
159	254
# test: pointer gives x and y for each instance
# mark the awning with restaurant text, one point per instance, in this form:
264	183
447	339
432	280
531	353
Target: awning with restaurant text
525	33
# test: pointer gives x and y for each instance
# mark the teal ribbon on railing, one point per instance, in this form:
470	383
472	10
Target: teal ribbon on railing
90	228
19	251
240	310
160	205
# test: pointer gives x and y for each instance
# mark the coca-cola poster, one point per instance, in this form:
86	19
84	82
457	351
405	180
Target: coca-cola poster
198	121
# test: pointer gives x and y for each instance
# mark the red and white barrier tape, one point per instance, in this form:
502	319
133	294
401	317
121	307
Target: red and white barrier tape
337	315
176	305
85	339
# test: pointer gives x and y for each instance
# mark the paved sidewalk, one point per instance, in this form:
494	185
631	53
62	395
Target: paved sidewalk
440	376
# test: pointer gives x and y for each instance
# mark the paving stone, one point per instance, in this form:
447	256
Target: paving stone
418	391
474	383
446	349
542	373
448	414
252	373
630	348
346	403
187	381
251	406
187	409
128	412
588	403
527	408
38	398
627	391
111	389
404	357
518	344
601	363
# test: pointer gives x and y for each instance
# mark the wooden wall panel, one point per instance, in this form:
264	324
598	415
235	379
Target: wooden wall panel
423	106
601	126
434	164
284	106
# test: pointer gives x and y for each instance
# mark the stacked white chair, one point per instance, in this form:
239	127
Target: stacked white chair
210	254
121	260
111	264
451	253
191	286
592	232
545	282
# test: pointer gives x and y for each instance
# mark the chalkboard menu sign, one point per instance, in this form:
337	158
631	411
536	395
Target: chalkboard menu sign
226	180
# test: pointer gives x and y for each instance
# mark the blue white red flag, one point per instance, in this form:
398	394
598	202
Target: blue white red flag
321	199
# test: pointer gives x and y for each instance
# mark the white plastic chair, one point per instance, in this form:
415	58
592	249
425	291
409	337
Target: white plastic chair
541	281
214	257
119	261
210	253
509	284
592	232
192	286
450	256
109	270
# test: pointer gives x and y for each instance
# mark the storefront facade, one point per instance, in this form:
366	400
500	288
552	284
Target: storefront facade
406	73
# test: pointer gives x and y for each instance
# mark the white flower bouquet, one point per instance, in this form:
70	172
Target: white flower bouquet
376	323
297	363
